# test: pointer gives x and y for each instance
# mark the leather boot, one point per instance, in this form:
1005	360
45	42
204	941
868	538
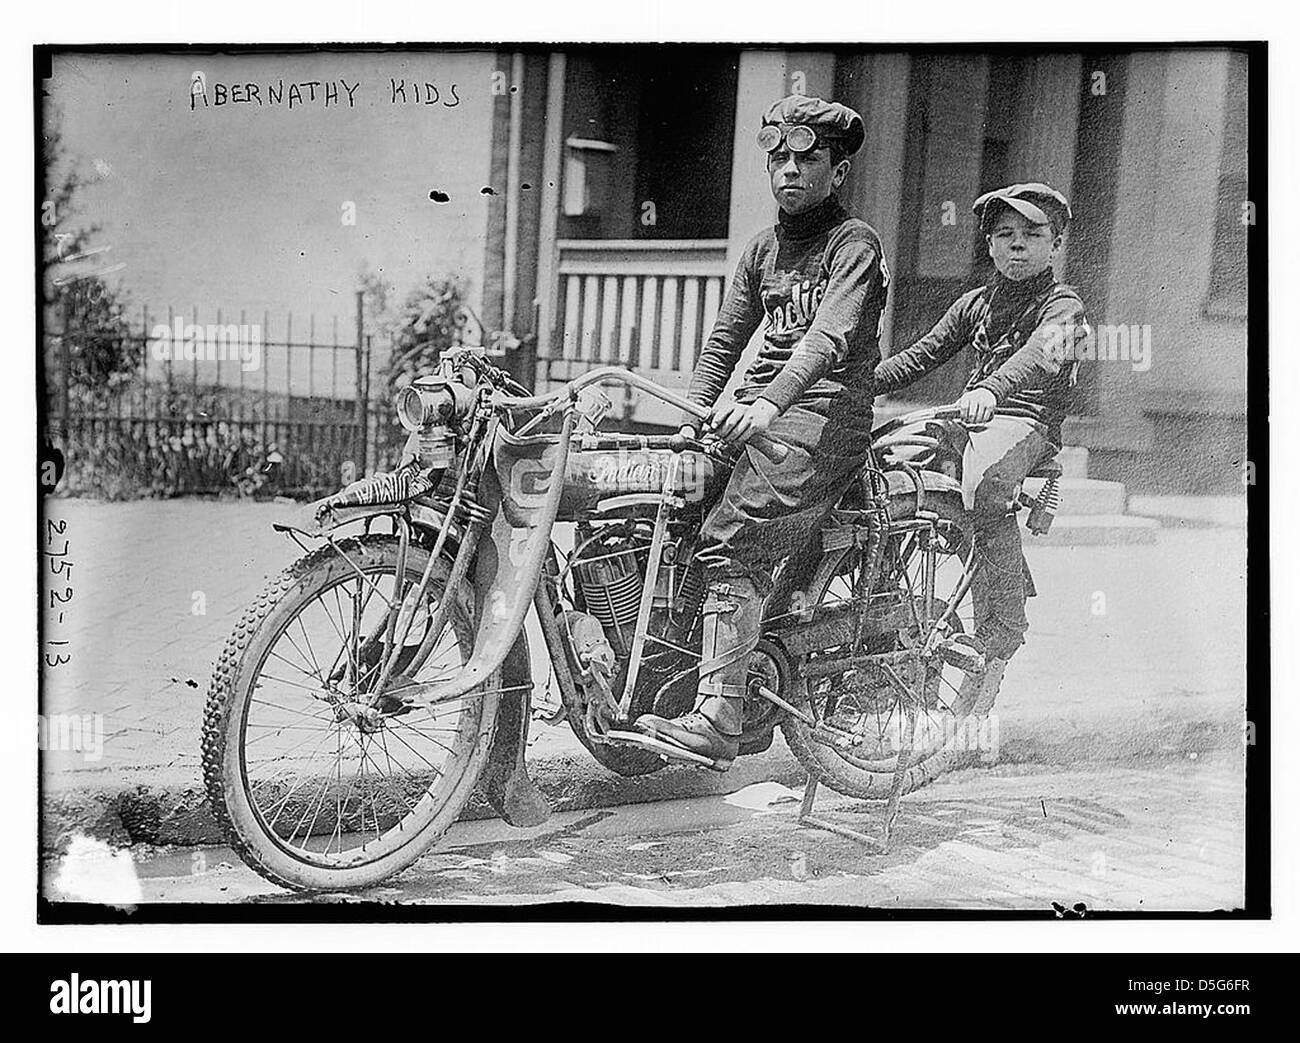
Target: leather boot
733	614
975	699
979	691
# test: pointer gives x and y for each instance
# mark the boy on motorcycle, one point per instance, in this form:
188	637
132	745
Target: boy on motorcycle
819	279
1021	327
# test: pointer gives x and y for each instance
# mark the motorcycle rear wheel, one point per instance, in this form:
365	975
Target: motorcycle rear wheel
403	776
877	711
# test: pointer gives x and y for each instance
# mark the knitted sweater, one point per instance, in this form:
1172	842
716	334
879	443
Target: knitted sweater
1020	335
820	281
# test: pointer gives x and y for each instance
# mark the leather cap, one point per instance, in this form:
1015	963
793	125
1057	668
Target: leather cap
1039	203
832	121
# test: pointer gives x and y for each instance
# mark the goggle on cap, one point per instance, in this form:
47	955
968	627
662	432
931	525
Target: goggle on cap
805	123
1039	203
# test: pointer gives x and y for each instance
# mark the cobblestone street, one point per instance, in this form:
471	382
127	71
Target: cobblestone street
1165	838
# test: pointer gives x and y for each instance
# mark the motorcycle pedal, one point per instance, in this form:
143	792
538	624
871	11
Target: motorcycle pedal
963	652
665	750
962	659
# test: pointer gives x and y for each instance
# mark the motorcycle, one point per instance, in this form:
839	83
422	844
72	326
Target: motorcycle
382	677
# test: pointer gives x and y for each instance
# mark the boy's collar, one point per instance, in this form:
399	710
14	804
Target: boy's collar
826	214
1031	286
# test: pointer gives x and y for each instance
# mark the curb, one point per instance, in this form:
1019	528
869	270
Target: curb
125	811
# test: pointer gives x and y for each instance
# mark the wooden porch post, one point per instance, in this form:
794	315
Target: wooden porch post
547	259
760	82
876	193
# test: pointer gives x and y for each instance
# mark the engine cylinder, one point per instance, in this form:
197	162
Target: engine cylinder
611	588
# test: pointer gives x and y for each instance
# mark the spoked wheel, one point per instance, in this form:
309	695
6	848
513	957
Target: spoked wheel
867	704
318	785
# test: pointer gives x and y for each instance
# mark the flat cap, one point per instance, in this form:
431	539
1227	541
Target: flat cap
832	121
1039	203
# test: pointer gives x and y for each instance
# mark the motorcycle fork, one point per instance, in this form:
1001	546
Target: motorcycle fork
403	526
958	594
384	628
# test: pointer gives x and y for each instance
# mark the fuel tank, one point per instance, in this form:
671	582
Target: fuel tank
595	475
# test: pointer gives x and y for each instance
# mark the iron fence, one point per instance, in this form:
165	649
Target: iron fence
177	407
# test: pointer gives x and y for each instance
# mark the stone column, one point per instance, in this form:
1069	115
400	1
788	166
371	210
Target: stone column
876	193
1120	423
1047	124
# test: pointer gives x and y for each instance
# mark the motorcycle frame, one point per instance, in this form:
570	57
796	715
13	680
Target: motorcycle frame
441	522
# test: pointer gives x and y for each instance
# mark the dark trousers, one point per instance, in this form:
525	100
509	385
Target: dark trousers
769	510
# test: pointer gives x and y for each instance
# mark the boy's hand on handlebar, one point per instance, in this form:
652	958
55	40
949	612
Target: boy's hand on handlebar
739	423
977	406
686	435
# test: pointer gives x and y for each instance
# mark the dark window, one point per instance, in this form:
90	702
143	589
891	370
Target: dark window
960	127
688	127
665	122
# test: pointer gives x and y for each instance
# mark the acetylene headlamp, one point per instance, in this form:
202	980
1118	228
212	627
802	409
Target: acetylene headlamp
433	400
411	408
431	409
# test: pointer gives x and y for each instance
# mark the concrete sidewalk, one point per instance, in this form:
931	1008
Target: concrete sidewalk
1135	652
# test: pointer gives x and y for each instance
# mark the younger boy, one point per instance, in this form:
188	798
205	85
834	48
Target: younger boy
1020	328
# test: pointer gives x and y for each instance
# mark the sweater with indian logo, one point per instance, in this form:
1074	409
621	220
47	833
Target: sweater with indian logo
818	281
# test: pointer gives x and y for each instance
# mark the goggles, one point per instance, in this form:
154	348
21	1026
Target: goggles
798	138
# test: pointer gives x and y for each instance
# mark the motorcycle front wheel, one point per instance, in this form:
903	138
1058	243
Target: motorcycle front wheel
315	789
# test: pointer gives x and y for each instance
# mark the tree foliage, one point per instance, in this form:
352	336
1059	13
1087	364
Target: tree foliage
432	318
85	316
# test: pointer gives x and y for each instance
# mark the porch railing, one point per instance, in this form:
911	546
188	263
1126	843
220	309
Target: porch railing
645	304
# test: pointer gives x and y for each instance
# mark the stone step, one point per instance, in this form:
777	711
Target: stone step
1094	530
1206	511
1092	496
1085	495
1074	461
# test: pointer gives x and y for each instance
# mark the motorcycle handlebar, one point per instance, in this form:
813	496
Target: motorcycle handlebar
773	449
935	413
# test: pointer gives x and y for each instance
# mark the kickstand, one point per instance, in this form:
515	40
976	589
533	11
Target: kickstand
881	843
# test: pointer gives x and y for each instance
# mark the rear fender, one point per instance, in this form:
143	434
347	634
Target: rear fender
901	482
315	519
